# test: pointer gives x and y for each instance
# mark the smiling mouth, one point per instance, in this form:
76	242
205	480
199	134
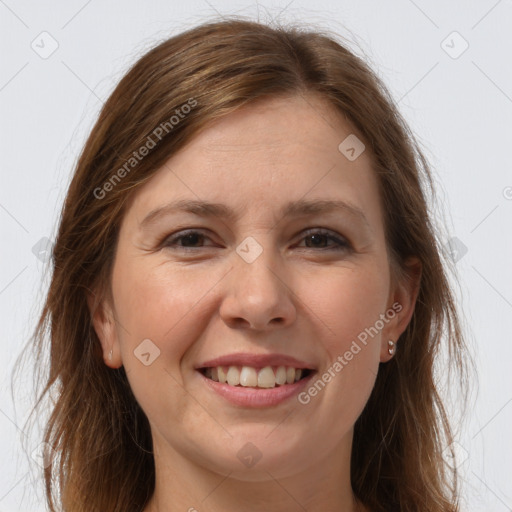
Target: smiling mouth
259	378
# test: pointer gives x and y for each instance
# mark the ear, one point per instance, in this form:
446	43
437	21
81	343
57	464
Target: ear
401	304
102	318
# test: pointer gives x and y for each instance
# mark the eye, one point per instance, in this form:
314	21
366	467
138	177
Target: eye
188	238
315	238
318	237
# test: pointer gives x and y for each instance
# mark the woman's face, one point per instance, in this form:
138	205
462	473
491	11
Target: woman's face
273	269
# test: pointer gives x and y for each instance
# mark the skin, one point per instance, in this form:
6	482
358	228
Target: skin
203	301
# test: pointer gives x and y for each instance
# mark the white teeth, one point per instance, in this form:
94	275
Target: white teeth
266	378
233	376
281	375
247	376
222	375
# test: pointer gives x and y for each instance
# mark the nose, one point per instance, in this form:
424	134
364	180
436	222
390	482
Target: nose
257	295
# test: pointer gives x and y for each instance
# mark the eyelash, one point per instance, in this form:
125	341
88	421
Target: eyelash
342	243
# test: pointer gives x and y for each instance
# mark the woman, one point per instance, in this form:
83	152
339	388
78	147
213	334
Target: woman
248	297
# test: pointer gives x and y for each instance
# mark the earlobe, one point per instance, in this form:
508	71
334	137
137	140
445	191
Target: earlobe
404	294
388	350
104	325
113	359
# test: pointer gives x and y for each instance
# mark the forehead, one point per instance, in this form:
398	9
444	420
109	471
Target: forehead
264	155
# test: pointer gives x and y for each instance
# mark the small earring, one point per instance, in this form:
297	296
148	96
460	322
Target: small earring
110	355
391	347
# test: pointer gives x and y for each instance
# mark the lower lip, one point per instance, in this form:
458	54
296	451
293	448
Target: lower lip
254	397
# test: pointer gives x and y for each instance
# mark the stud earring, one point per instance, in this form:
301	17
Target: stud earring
391	347
110	355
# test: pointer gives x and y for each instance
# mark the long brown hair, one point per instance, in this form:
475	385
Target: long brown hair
101	435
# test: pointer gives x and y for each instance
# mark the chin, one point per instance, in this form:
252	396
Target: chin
257	458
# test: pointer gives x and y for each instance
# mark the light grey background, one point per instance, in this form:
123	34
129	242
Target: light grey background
458	104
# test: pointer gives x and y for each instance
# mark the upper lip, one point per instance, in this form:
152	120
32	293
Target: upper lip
256	361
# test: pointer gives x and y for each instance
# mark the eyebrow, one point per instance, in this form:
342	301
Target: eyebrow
297	208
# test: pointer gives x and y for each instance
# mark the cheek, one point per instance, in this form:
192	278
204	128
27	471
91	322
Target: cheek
166	304
347	301
154	301
349	304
